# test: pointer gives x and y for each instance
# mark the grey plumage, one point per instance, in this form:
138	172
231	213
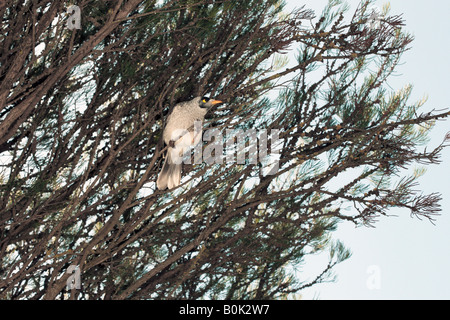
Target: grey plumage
179	135
170	174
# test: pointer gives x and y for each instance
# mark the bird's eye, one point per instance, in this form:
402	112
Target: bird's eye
204	100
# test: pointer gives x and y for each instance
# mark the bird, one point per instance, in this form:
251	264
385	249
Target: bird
180	134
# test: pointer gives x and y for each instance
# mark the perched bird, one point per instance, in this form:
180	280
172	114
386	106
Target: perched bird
180	134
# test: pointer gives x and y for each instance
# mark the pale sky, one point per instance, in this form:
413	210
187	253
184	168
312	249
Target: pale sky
403	257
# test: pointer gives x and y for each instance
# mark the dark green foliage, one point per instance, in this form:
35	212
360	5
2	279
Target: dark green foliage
80	146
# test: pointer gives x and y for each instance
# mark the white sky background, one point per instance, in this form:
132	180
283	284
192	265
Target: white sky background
411	257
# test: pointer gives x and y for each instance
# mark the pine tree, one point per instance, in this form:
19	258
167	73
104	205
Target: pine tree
82	112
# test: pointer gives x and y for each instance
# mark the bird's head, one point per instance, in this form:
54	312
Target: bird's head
206	102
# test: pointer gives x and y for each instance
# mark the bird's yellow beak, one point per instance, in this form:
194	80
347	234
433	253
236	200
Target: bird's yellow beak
213	102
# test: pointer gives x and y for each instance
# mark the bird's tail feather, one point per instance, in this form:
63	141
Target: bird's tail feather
170	174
